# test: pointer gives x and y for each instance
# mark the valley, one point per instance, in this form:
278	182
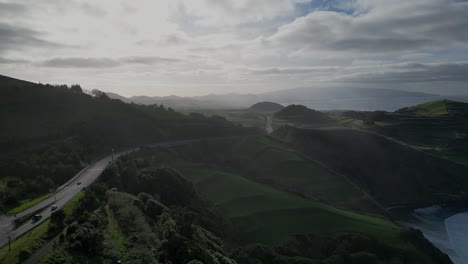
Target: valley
271	179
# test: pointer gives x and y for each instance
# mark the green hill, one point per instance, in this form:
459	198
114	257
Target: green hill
436	108
268	107
391	172
274	163
303	115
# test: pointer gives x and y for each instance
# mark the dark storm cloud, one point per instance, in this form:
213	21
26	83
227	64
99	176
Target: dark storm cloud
19	38
74	62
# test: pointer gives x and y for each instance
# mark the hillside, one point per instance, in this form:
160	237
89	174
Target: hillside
268	107
274	163
49	133
259	222
6	81
391	172
303	115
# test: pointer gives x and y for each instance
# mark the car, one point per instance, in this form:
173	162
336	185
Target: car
36	218
78	183
53	207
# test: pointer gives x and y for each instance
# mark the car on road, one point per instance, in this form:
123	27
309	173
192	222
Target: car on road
53	207
78	183
36	218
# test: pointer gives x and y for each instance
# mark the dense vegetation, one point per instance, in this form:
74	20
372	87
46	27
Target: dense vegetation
302	114
167	227
51	132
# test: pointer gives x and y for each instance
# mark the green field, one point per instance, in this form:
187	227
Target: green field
26	204
262	214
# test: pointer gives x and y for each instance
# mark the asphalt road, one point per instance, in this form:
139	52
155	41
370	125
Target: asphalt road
64	195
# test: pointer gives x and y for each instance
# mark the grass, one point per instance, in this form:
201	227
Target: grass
262	214
434	108
27	204
31	241
69	208
116	233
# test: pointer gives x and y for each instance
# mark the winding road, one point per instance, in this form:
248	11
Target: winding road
64	195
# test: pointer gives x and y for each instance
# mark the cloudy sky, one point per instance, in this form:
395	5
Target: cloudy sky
196	47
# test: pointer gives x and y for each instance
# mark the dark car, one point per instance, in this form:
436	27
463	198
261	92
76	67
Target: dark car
78	183
36	218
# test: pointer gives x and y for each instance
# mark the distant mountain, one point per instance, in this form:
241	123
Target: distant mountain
302	114
212	101
265	107
330	98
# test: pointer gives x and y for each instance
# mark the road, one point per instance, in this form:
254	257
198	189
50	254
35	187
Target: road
64	195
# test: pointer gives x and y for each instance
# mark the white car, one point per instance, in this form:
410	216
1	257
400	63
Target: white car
53	207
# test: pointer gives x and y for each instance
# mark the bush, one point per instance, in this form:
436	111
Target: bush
24	255
154	208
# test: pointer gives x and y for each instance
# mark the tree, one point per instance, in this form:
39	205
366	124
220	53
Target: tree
76	88
57	223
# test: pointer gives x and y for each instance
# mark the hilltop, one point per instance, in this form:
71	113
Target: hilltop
268	107
302	114
436	108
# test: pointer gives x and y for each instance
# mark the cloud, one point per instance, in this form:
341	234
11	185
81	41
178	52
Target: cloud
11	9
378	27
150	60
74	62
20	38
80	63
92	10
413	73
292	70
12	61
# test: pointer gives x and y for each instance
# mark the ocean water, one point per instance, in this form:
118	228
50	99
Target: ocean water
445	228
457	230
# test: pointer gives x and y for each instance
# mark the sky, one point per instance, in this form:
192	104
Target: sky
197	47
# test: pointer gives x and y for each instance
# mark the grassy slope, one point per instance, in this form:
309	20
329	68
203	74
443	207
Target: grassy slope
270	161
261	214
434	108
26	204
288	168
